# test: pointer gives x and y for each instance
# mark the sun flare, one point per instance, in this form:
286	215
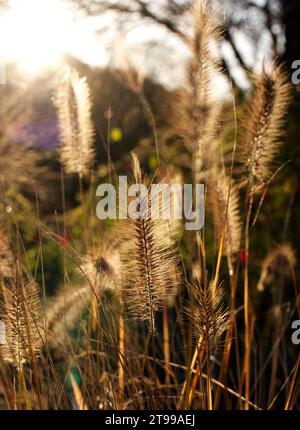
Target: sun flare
35	33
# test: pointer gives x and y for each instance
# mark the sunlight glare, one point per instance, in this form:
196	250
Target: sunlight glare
34	33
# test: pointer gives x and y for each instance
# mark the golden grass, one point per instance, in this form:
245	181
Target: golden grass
145	328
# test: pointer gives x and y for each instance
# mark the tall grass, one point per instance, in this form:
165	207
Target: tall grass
150	316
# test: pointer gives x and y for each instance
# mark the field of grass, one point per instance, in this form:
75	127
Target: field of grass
143	313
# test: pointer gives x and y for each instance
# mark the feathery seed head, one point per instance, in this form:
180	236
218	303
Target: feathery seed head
279	263
150	266
209	314
196	114
74	111
20	310
102	269
6	256
218	198
263	123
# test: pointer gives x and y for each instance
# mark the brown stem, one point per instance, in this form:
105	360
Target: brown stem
121	353
246	302
208	382
166	341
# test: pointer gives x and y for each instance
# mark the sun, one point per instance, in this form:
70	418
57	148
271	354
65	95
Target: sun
34	33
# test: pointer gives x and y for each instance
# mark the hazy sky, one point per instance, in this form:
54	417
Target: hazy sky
36	33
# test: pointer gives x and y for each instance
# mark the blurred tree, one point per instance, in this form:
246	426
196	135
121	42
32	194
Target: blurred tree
273	23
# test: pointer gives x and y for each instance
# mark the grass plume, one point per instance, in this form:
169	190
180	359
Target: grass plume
218	200
263	122
74	112
151	263
20	312
197	114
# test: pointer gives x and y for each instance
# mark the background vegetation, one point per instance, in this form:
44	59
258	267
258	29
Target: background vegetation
85	328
